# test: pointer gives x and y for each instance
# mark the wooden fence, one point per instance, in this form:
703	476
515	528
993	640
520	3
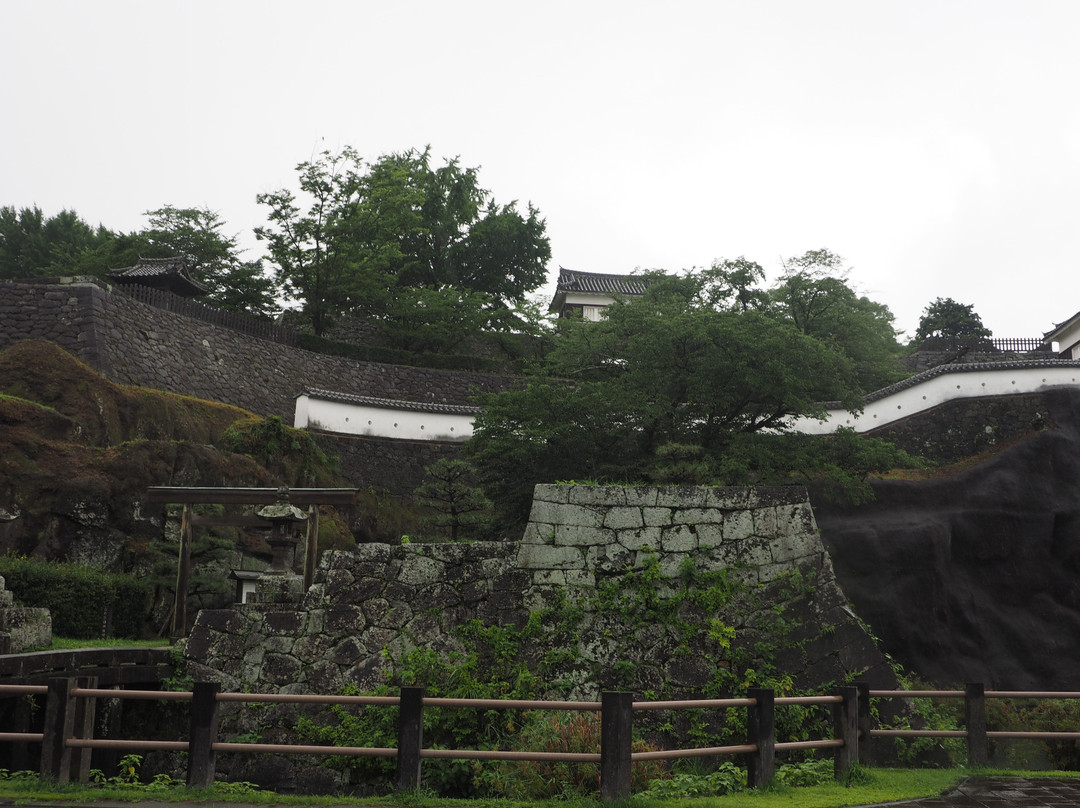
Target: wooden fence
67	739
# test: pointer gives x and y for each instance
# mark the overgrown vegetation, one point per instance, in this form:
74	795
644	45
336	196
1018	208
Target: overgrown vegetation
543	656
83	602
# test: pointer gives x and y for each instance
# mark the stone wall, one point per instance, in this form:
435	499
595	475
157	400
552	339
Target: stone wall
130	342
372	604
134	343
963	428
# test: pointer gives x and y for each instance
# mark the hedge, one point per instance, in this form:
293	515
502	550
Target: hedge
84	603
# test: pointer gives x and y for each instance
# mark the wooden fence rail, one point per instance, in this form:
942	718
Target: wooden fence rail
68	739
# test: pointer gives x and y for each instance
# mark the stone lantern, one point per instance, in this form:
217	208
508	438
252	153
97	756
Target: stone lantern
279	584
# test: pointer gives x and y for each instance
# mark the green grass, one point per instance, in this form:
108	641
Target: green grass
885	785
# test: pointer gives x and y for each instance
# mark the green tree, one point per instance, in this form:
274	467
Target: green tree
375	233
815	296
212	257
450	488
946	318
310	265
666	368
35	245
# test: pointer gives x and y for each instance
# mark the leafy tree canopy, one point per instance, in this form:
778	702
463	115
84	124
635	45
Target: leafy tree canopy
35	245
669	385
946	318
371	231
815	296
212	258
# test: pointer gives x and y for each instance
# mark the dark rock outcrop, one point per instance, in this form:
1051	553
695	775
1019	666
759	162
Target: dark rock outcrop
974	577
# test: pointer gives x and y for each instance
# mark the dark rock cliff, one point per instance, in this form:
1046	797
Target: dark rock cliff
974	576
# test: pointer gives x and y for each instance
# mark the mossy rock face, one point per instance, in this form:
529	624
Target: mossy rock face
78	452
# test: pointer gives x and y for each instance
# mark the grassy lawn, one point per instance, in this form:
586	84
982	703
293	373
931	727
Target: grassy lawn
884	785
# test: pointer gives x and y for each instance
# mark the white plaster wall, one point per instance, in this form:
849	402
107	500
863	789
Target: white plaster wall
938	390
359	419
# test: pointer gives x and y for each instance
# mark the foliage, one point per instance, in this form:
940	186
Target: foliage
81	600
212	258
1034	715
726	779
422	250
814	295
292	453
565	733
35	245
449	488
946	318
309	266
691	364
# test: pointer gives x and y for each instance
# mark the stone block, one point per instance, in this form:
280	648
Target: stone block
728	498
538	533
682	496
642	496
621	517
656	517
600	496
709	536
544	557
764	521
547	512
738	525
419	570
678	539
699	516
551	492
648	537
581	536
579	516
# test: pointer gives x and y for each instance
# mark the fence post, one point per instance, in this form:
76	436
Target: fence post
202	733
410	738
84	711
761	731
846	728
59	722
866	722
616	736
975	717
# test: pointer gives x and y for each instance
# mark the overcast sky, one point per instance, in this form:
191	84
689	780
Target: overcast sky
935	145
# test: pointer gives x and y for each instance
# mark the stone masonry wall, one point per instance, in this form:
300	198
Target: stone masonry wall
372	604
130	342
134	343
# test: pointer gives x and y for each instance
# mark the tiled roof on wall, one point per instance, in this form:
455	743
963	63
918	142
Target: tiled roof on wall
388	403
163	273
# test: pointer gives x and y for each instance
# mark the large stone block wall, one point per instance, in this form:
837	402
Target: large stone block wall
376	602
134	343
131	342
578	531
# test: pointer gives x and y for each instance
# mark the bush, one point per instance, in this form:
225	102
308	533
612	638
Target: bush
542	780
83	602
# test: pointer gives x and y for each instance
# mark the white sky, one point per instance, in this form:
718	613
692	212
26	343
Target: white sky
935	145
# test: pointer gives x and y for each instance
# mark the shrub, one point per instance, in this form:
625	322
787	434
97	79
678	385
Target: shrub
80	599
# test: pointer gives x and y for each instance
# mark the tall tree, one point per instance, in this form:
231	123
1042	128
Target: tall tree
374	233
310	263
814	295
946	318
666	368
33	245
212	257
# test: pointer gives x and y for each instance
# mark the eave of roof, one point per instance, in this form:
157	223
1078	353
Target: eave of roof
388	403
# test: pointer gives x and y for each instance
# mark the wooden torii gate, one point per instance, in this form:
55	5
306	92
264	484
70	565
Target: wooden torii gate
188	496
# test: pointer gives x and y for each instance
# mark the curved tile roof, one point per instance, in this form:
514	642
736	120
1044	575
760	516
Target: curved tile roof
388	403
